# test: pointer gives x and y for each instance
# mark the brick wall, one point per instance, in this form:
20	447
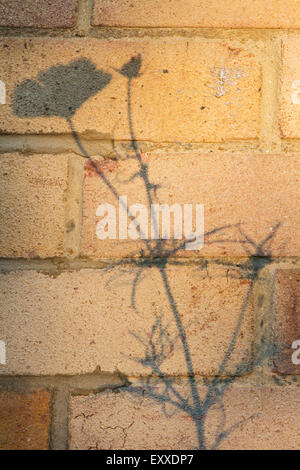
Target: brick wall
123	344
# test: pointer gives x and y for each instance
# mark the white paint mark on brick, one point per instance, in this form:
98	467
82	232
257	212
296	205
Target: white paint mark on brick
2	353
296	92
224	79
2	92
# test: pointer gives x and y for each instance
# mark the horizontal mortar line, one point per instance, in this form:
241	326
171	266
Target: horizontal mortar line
143	34
91	137
211	33
199	28
35	145
251	377
104	378
77	30
59	265
77	380
107	155
91	383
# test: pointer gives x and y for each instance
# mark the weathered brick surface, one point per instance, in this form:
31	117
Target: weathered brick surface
201	86
198	13
24	420
81	320
287	320
252	191
32	210
258	418
37	13
188	89
290	89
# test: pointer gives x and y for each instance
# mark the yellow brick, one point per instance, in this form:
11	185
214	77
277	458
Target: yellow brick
255	192
32	211
290	89
189	90
78	321
198	13
256	418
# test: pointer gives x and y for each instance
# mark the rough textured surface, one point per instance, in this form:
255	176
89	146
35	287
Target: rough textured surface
290	88
214	107
287	319
37	13
258	418
81	320
24	420
225	184
216	98
32	210
198	13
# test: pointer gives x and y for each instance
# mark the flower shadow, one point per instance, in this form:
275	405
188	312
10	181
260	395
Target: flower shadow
60	90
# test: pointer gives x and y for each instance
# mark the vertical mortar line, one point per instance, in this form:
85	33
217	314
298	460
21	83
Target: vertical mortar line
85	12
272	316
59	425
262	331
270	136
73	214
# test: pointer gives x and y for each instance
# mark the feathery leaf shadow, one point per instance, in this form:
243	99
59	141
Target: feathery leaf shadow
60	91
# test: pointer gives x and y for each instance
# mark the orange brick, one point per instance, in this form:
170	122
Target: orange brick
263	418
189	90
290	89
198	13
32	193
37	13
287	321
253	191
24	420
78	321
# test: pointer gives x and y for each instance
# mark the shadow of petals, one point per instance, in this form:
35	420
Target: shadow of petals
60	90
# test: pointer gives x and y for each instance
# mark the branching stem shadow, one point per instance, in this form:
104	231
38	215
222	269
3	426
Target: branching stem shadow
157	254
